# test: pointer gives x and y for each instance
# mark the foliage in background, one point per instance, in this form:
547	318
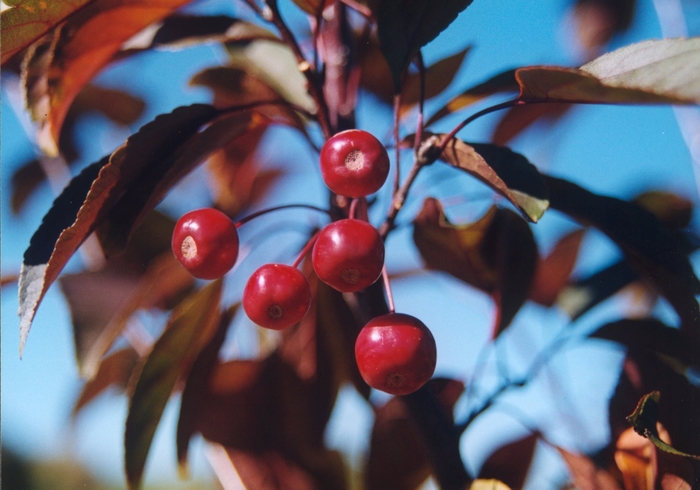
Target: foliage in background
267	416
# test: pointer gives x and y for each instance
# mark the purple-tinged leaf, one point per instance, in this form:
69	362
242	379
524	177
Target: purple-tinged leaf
405	26
190	328
554	270
506	172
650	72
511	462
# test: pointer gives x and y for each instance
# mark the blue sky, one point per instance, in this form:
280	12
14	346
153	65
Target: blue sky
614	150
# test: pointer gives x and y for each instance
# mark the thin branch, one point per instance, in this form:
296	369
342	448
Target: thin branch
397	145
252	216
315	86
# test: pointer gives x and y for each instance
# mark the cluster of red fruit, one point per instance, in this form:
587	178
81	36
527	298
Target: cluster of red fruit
395	353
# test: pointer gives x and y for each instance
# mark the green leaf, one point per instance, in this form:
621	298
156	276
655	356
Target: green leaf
28	20
650	72
90	197
405	26
190	328
644	419
506	172
496	254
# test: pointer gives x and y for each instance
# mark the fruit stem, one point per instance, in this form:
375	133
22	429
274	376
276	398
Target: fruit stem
387	289
352	212
252	216
477	115
315	86
304	251
399	198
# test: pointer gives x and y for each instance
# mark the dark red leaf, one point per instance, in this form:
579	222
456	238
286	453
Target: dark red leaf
510	463
554	270
406	26
496	254
597	21
519	118
190	328
585	474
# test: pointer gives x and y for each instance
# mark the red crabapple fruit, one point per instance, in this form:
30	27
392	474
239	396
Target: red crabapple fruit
354	163
276	296
348	255
396	353
205	241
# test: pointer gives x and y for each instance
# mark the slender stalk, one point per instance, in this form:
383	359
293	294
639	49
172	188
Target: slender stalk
397	148
252	216
421	103
387	290
315	86
399	199
304	251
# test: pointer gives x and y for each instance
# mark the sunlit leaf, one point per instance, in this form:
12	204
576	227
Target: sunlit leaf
554	270
650	249
496	254
506	172
650	72
438	77
81	48
671	210
510	463
406	26
313	7
190	328
88	199
644	419
482	484
502	82
276	66
115	371
585	474
28	20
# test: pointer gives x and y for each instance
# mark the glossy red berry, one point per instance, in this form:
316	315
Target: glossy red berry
396	353
205	241
276	296
348	255
354	163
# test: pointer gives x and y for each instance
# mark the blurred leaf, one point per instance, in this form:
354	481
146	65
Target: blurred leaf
24	181
405	26
162	167
644	419
182	30
262	409
583	294
652	72
554	270
502	82
162	285
585	474
80	49
496	254
652	250
438	77
191	326
274	64
597	21
119	106
654	336
28	20
89	197
506	172
673	211
234	86
517	119
115	370
511	462
398	455
481	484
196	384
313	7
375	76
